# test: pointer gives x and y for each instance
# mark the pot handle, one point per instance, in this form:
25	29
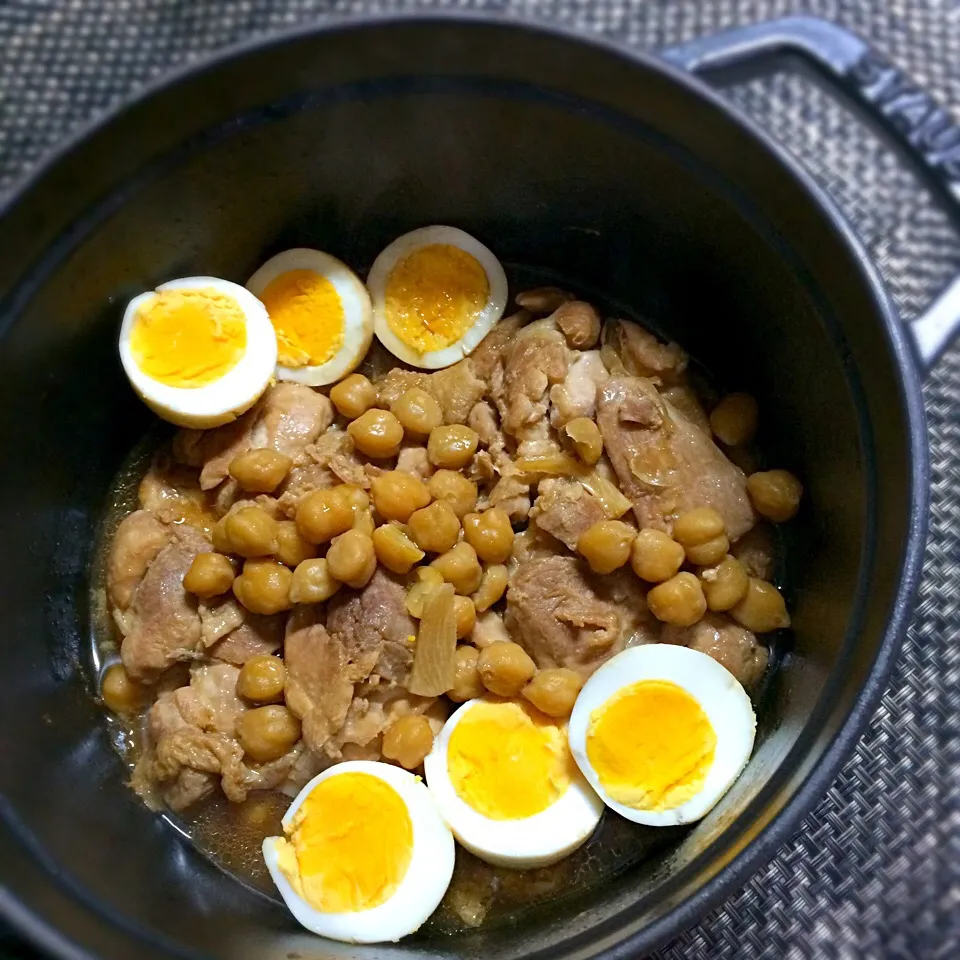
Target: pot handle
924	132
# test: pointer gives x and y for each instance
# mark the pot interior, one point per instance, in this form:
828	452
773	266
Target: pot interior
568	161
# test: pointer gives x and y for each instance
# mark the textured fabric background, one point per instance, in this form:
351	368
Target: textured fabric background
875	870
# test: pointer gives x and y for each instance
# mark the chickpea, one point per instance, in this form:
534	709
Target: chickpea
542	300
725	584
359	502
579	322
353	396
260	471
396	494
655	556
698	526
351	559
376	434
460	567
221	543
395	550
775	494
364	523
408	740
491	588
505	668
467	684
292	549
606	545
762	608
356	498
417	411
252	532
119	692
323	515
679	600
267	733
312	582
709	553
454	488
490	534
452	447
262	679
209	575
434	528
264	586
585	436
554	691
466	615
734	419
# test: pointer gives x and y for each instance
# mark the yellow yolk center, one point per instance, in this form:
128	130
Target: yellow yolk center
307	315
188	338
508	761
351	844
434	295
651	745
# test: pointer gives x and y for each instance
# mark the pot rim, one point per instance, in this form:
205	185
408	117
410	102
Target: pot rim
784	822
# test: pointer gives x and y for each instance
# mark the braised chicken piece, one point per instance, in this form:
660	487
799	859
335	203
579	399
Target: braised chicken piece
456	388
287	418
644	355
162	624
577	395
566	510
193	742
136	543
538	359
729	644
756	551
256	636
366	641
565	616
665	464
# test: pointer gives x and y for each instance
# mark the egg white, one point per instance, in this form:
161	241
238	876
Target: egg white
492	311
423	885
716	690
357	312
535	841
224	399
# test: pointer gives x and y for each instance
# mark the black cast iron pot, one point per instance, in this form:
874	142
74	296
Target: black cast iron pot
617	172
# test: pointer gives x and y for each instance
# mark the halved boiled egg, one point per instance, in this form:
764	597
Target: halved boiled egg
321	313
661	732
504	780
199	351
436	293
366	856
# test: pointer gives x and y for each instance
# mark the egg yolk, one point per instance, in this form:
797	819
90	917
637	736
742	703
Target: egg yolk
307	315
508	761
651	745
434	295
188	338
351	844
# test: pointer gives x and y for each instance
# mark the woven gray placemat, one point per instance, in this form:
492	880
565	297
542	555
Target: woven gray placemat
875	870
